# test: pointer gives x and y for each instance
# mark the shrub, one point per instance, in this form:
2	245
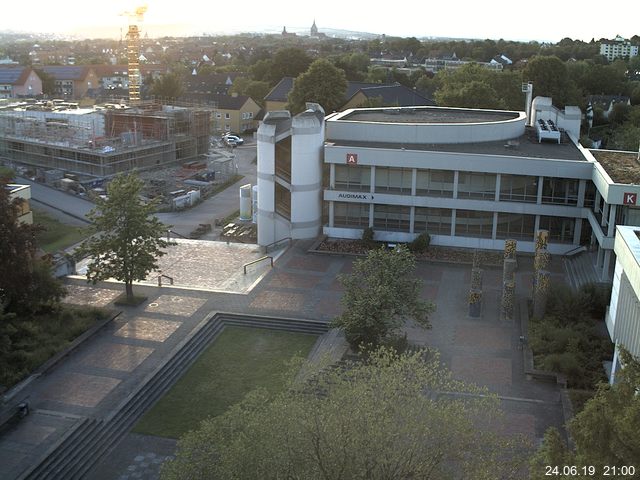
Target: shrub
367	237
568	306
421	243
597	297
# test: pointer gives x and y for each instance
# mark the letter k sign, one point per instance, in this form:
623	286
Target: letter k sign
630	198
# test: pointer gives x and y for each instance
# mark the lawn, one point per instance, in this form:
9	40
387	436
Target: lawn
239	361
57	235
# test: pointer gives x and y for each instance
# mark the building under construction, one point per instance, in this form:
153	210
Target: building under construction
101	142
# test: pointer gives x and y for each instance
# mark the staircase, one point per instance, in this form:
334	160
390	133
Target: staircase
580	270
73	456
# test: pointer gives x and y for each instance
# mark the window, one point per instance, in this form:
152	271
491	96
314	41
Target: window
393	180
435	221
283	159
435	183
355	215
353	177
283	201
515	225
227	116
518	188
218	115
562	191
560	228
473	223
391	217
477	185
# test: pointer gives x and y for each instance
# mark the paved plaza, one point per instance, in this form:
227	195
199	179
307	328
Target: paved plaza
103	371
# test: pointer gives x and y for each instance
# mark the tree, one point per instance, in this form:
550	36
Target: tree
126	240
322	83
550	79
17	254
288	62
168	86
379	296
380	419
605	432
252	88
48	82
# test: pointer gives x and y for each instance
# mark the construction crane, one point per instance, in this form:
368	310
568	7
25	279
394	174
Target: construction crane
133	52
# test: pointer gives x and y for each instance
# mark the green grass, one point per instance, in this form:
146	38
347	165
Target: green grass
33	340
57	235
239	361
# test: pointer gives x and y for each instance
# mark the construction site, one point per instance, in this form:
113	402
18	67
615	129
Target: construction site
101	142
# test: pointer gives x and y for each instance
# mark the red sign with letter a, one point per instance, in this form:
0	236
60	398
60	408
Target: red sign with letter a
630	198
352	158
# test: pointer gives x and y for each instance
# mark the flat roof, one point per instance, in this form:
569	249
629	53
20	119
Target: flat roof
622	167
524	146
442	115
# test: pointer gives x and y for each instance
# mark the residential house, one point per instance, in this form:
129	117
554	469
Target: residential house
607	102
18	82
23	192
386	96
210	83
618	48
235	113
73	81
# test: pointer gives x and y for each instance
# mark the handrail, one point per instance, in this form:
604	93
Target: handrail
266	248
575	250
165	276
256	261
169	232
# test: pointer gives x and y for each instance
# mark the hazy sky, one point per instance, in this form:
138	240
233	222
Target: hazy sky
544	20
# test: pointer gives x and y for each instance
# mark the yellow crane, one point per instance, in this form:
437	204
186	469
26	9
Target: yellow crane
133	52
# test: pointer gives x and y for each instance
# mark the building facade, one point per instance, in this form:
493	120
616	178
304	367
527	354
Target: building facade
22	192
623	313
470	178
618	48
16	82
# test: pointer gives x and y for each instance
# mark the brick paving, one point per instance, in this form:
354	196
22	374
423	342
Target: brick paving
104	370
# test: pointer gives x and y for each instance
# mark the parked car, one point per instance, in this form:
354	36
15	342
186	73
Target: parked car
233	140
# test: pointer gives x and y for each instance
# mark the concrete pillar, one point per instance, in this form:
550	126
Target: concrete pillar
508	299
372	187
456	176
414	181
541	293
599	256
540	185
577	232
453	222
412	219
582	188
494	230
331	214
612	220
604	276
332	176
498	180
476	279
596	201
605	214
371	215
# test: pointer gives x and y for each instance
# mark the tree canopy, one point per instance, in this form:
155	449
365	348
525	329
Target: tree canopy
322	83
127	238
385	418
380	294
605	432
168	86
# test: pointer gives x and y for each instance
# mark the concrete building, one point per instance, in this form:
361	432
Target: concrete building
470	178
100	143
23	192
16	82
623	313
235	113
73	82
618	48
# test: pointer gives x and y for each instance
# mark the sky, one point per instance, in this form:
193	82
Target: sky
543	20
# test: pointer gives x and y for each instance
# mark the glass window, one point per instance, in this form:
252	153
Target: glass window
283	159
477	185
353	177
393	180
518	188
560	228
435	221
515	225
283	201
350	214
563	191
473	223
435	183
391	217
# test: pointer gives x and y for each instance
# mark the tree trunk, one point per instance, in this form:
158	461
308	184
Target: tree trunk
129	290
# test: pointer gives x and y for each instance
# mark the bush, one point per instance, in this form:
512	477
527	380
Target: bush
568	306
597	297
421	243
367	237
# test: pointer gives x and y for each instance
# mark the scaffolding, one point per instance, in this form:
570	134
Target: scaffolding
103	143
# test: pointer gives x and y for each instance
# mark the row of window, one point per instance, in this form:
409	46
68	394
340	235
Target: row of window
438	221
473	185
227	116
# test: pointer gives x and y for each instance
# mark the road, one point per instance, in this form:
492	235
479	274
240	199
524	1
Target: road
61	204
